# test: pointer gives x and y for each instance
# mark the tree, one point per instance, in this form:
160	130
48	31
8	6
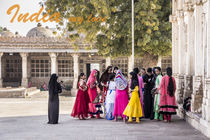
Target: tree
113	37
1	29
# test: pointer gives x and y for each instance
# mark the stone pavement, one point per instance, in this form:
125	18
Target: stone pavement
26	123
10	107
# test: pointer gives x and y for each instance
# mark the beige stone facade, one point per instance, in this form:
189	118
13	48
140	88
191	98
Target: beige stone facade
191	59
32	59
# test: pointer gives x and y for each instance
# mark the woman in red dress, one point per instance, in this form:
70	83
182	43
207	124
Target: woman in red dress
80	109
167	104
92	92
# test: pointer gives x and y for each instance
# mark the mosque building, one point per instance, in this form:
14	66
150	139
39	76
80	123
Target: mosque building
32	58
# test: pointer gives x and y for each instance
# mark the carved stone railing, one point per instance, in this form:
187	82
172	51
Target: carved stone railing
43	42
197	95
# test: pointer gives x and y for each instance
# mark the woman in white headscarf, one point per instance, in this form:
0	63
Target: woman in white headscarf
121	95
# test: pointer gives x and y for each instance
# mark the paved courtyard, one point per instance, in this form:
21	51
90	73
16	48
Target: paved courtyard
25	119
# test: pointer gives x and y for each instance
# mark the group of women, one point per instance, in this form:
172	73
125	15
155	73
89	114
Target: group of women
149	95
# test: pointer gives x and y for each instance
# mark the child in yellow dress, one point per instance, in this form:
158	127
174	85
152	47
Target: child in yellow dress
133	109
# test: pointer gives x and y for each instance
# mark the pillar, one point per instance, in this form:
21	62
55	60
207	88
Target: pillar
172	19
76	71
24	82
190	51
206	95
54	67
181	57
1	81
108	61
199	64
159	61
130	65
181	44
175	47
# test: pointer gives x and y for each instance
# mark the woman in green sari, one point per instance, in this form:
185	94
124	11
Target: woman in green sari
158	116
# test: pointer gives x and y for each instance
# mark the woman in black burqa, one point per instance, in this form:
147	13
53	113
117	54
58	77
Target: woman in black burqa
148	98
53	103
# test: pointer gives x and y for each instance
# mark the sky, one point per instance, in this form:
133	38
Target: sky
30	6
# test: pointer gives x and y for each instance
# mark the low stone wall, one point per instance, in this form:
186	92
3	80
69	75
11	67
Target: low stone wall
195	120
39	81
12	92
198	123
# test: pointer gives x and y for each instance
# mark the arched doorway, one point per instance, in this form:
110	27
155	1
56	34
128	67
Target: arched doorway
89	62
12	69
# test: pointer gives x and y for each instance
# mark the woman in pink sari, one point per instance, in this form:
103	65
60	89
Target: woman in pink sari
92	92
121	95
167	104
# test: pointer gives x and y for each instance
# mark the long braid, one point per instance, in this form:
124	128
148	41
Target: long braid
170	83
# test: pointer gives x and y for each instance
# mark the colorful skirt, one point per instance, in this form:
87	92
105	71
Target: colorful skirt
133	108
81	104
168	104
121	101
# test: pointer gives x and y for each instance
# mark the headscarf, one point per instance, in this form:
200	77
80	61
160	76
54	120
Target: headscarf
92	79
52	86
53	81
120	80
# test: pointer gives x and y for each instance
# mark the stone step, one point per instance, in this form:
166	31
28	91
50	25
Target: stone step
45	94
31	89
40	94
10	92
32	92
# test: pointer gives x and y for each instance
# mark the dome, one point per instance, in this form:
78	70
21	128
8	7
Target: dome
17	34
6	33
40	31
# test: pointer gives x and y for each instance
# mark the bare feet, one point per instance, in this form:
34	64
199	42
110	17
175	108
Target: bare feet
115	119
124	120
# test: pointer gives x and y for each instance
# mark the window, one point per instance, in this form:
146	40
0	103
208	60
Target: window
121	63
13	68
138	63
166	62
40	68
103	65
65	68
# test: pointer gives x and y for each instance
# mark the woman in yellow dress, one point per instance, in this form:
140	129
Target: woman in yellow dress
133	109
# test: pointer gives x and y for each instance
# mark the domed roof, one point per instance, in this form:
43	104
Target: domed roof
17	34
40	32
6	33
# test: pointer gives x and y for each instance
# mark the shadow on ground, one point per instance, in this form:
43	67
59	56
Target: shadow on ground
36	128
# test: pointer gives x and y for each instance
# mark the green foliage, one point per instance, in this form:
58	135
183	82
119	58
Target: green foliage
1	29
113	37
